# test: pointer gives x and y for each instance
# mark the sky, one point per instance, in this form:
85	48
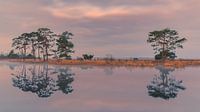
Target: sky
102	27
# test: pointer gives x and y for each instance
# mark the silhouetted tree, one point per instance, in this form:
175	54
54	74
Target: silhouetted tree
64	46
34	43
21	43
25	38
46	40
17	45
165	41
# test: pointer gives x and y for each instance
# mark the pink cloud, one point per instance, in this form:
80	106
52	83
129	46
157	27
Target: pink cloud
92	11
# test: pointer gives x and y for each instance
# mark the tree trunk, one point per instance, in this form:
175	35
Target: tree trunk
164	50
33	51
46	52
24	54
38	52
163	53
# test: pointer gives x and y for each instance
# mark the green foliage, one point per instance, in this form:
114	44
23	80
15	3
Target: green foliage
43	42
21	43
64	46
87	56
30	56
47	40
12	54
170	55
2	56
34	43
165	41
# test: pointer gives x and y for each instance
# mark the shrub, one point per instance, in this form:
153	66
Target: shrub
88	56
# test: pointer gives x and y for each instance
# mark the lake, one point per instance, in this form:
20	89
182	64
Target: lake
53	88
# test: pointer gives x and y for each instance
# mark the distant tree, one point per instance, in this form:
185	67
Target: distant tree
21	43
88	56
3	56
30	56
42	42
25	42
109	57
64	46
12	54
165	42
34	43
39	45
46	40
17	45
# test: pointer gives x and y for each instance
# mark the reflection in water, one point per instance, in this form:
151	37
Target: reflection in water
40	79
109	70
86	67
165	85
64	80
12	66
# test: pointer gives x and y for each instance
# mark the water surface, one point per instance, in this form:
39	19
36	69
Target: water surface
48	88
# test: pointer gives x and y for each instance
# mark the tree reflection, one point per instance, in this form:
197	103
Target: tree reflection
165	85
39	79
109	70
64	80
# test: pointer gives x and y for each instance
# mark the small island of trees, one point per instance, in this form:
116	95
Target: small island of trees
41	44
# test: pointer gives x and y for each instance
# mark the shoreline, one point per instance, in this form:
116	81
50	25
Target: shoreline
121	62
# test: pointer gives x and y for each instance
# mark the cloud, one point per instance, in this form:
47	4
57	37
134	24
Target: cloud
103	26
84	10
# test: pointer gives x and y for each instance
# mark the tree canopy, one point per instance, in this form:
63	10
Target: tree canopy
165	42
45	43
64	46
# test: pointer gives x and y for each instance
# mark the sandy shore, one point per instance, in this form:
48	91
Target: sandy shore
135	63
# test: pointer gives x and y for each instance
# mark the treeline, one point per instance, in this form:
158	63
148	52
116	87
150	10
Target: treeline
42	44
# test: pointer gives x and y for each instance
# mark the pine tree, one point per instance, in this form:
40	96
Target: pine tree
64	46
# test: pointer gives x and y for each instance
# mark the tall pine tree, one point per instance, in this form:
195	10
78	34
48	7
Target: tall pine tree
65	46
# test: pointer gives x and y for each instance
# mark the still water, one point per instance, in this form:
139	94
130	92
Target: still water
48	88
